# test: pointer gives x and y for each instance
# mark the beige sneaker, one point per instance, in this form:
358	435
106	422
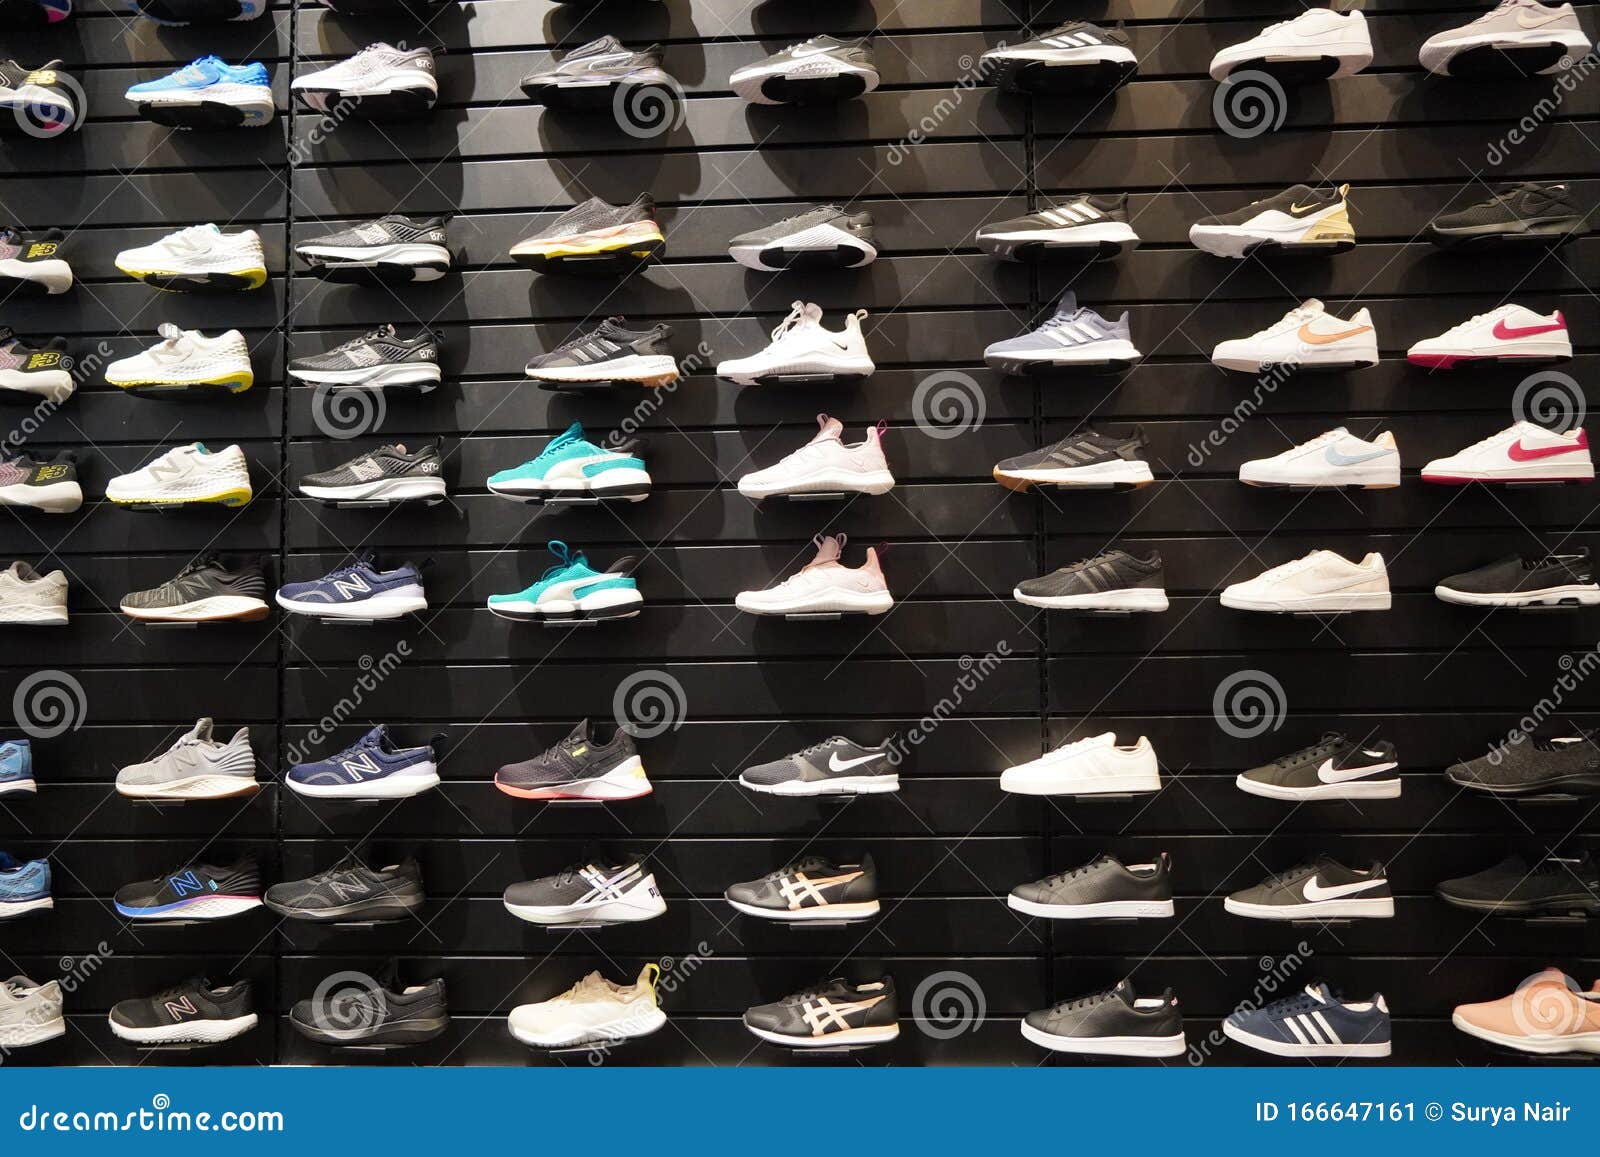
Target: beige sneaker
592	1011
824	586
29	1013
26	596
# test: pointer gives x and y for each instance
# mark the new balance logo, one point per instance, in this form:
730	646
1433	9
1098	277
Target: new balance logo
361	768
178	1009
350	588
186	884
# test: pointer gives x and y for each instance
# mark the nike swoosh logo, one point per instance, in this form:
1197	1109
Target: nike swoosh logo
1336	458
803	53
1315	891
1327	773
1305	208
1526	19
1508	333
1312	337
1517	452
837	764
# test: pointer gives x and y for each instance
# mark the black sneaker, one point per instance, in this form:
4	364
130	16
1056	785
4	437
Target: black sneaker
41	102
1088	460
836	1013
1117	1022
1081	225
375	360
49	486
1104	888
1513	887
581	766
1071	58
591	893
836	766
1526	580
608	353
1331	768
1322	890
394	249
1528	213
373	1010
34	261
193	892
388	474
205	591
595	237
1112	581
1530	766
199	11
351	892
192	1012
29	372
811	888
1299	220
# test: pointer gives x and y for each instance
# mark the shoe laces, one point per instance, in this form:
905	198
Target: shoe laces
817	747
795	319
362	561
1080	870
194	70
382	333
566	556
1080	1002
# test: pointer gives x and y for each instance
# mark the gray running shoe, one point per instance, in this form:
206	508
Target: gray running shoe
595	237
588	77
1113	580
350	891
1087	459
205	591
608	353
1073	57
374	360
819	69
379	82
1074	336
392	249
29	1013
836	766
388	474
1560	765
195	767
26	596
826	237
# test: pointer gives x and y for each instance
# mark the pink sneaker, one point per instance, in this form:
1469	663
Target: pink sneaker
825	465
824	586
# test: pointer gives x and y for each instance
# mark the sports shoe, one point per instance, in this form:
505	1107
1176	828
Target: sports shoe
1314	1023
378	358
380	1010
1548	1014
36	14
824	586
357	590
836	766
1523	452
1515	887
825	465
1527	212
195	767
592	1011
373	767
1550	580
1104	888
591	75
351	892
1118	1022
1095	765
390	473
1112	580
835	1013
802	350
207	94
819	69
1511	332
30	372
34	261
572	589
186	476
1086	459
579	767
811	888
594	236
1307	337
30	1013
1331	768
1074	336
570	465
379	82
49	486
1515	38
1322	890
1298	220
1075	55
16	767
1085	224
826	237
199	257
204	591
184	361
193	1011
1318	44
42	101
193	892
1562	765
607	354
1333	458
1321	582
395	249
199	11
24	887
591	893
26	596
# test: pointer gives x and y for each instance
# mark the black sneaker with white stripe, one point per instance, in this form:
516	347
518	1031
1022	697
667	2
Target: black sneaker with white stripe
835	1014
387	474
374	360
608	354
393	249
1085	225
1085	460
1076	56
1331	768
811	888
1113	580
1324	889
591	893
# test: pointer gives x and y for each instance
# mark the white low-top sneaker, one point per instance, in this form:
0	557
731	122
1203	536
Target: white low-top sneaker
379	80
26	596
1336	458
1324	44
1322	581
1307	336
1515	36
592	1010
802	348
824	586
185	476
825	465
1092	766
1523	453
199	257
1511	332
186	360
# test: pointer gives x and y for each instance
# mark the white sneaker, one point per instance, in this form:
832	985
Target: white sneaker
26	596
1093	766
824	586
199	257
380	78
1524	453
1336	458
1331	44
195	767
186	475
1510	332
1307	336
594	1009
30	1013
186	360
1511	26
825	465
801	347
1321	581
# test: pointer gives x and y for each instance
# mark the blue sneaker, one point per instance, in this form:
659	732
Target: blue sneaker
207	94
357	590
1073	336
370	768
572	465
1314	1023
573	590
16	766
24	888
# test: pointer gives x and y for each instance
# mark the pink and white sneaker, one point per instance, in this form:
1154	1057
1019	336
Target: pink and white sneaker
1510	332
824	586
1524	453
825	465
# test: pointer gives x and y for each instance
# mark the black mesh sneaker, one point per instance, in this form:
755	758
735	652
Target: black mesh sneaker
42	102
592	893
374	360
193	892
50	486
591	75
834	1014
351	892
836	766
1111	581
1324	889
1560	765
34	261
581	766
1331	768
811	888
1117	1022
351	1010
205	591
193	1012
1085	460
1514	887
388	474
595	237
1104	888
1075	56
1526	580
609	353
1524	213
29	372
1299	220
1084	225
392	249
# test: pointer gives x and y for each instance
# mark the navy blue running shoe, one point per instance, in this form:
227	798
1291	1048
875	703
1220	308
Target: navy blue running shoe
357	590
194	892
373	767
1314	1023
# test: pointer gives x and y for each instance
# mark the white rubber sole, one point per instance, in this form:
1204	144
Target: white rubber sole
195	1031
1109	1046
1308	356
658	368
1118	231
201	610
615	478
19	787
851	1036
857	911
414	780
374	377
1372	478
1531	472
1118	473
11	909
23	615
1280	1049
1582	1042
821	482
747	83
1107	910
1020	782
834	602
1547	349
54	385
1378	908
386	489
828	239
641	903
1090	353
818	363
606	599
54	274
838	785
18	1036
1349	789
1132	599
1312	604
53	497
389	606
1587	595
206	908
400	80
1352	57
1233	240
193	787
633	1024
432	259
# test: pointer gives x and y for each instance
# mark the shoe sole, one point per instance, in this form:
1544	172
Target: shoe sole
862	910
1377	908
193	787
1104	910
385	910
1109	1046
408	1032
204	1032
850	1036
841	785
215	609
1283	1049
1349	789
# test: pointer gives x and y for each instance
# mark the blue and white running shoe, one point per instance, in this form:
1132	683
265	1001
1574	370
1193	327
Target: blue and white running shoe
24	888
370	768
16	766
357	590
1073	336
572	465
572	590
207	94
1314	1023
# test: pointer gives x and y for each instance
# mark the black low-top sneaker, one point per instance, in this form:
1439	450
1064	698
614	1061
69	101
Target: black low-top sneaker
374	360
191	1012
606	354
836	766
811	888
1299	220
1073	57
393	249
388	474
34	261
591	893
193	892
30	372
581	766
1526	580
1514	887
1559	765
1331	768
39	485
207	590
1117	1022
1104	888
835	1014
826	237
595	236
1111	581
1085	460
1322	890
1524	213
373	1010
351	892
1084	225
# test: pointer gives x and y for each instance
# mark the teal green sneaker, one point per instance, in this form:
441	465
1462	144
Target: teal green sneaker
571	465
573	590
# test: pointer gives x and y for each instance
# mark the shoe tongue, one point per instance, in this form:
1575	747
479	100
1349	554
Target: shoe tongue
23	571
1320	992
811	314
1068	305
572	433
201	731
829	547
1313	305
581	731
169	331
375	736
828	429
1124	992
1300	192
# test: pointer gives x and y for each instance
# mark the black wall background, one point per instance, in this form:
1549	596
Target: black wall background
1439	681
